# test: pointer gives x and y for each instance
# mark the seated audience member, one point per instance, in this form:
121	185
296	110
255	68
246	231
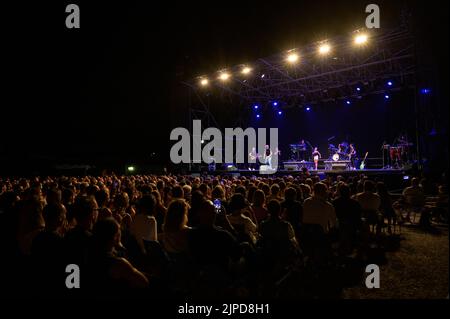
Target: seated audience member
242	224
318	211
106	270
370	202
144	225
258	206
348	213
277	235
211	245
386	204
77	239
292	209
177	192
174	238
414	194
48	247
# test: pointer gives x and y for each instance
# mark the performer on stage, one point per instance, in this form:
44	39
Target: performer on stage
316	156
352	155
267	156
302	151
252	156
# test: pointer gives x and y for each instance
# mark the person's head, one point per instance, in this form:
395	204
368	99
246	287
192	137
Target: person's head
106	234
266	147
274	208
415	182
275	189
218	193
290	194
54	216
102	197
54	196
197	199
369	186
344	190
204	189
320	190
146	205
259	198
85	211
176	217
315	149
237	203
122	200
177	192
207	214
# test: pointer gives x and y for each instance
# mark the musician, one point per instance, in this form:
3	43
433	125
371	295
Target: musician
302	151
316	156
267	155
252	156
352	155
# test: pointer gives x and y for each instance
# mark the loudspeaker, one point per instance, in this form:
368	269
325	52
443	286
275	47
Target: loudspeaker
291	167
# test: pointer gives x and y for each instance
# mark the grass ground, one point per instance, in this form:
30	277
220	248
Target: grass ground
418	269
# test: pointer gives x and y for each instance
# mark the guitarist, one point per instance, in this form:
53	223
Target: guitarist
352	155
252	156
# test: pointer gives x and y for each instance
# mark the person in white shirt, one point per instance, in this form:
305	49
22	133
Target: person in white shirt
317	210
368	199
144	226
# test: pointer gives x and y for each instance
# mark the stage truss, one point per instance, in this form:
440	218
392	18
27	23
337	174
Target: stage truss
389	54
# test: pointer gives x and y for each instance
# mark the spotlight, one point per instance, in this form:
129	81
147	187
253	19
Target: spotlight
202	141
292	58
130	168
262	76
361	39
275	103
258	116
425	91
386	96
224	76
324	49
256	107
308	108
246	70
348	102
389	83
358	89
204	82
280	112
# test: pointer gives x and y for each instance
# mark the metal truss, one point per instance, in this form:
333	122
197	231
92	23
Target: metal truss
315	78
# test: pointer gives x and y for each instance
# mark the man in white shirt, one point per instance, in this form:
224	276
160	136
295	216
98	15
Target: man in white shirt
144	226
317	210
368	199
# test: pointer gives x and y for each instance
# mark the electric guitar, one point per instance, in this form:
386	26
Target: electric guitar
363	163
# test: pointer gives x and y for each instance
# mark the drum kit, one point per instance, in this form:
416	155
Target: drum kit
397	155
338	153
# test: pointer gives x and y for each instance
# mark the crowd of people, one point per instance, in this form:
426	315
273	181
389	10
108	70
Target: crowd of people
187	235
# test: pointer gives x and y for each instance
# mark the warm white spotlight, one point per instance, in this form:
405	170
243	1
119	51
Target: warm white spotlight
292	58
324	49
224	76
246	70
204	82
361	39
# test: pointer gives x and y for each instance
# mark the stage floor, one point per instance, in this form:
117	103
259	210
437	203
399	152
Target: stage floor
284	172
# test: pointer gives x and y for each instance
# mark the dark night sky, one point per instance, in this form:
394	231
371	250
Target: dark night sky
108	91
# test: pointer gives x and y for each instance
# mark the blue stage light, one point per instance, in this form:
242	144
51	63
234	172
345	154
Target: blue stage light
256	107
275	103
425	91
358	89
389	83
258	116
279	112
348	102
386	97
308	108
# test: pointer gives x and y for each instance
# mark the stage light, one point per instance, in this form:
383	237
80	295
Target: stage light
275	103
348	102
256	107
202	141
280	112
358	89
204	82
308	108
324	49
292	58
258	116
425	91
130	168
224	76
389	83
361	39
246	70
386	97
262	76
